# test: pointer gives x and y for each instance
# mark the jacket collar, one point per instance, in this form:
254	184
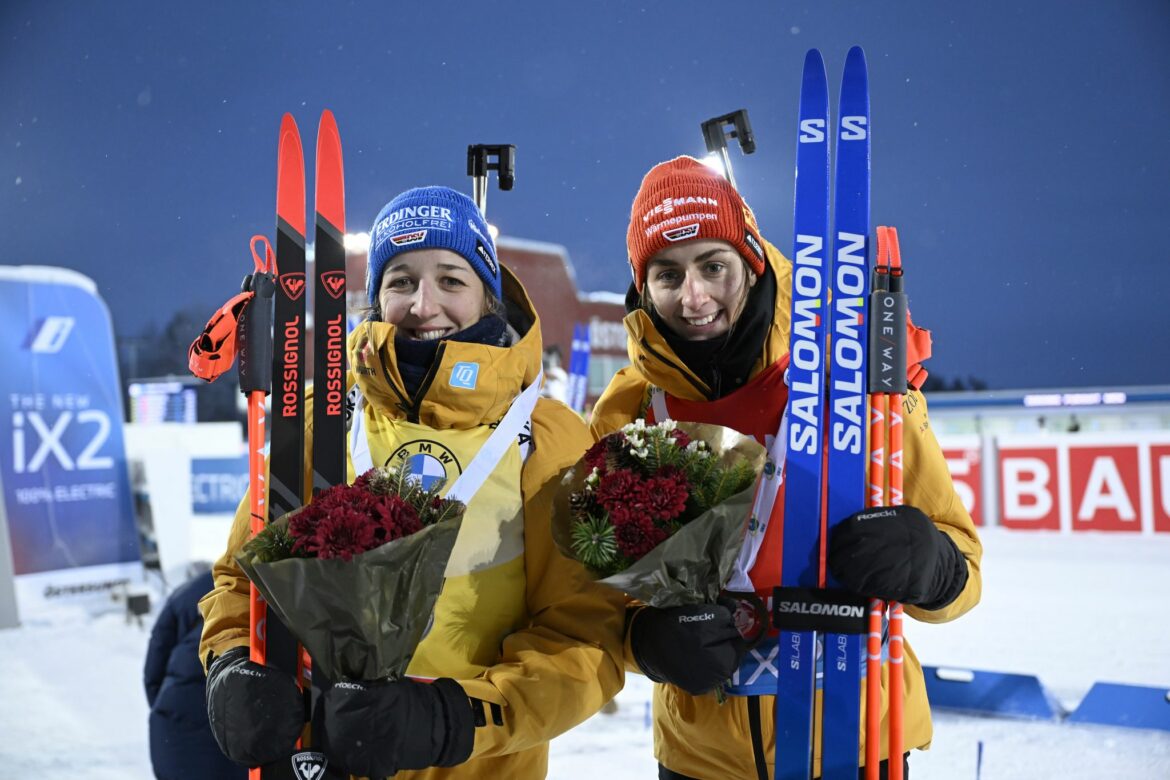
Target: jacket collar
469	384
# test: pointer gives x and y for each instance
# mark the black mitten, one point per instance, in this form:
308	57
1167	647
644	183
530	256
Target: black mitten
374	729
695	647
256	712
896	553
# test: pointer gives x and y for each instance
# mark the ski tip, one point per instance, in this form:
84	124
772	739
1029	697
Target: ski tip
814	69
812	58
290	176
330	182
855	59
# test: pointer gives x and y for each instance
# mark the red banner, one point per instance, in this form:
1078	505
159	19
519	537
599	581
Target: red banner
1065	482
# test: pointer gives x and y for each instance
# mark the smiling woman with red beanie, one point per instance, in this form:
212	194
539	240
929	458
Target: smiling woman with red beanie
708	329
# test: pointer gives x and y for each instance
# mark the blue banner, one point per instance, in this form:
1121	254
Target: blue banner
218	484
62	457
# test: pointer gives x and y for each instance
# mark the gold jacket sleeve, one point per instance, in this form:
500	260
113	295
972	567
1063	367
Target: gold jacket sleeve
928	486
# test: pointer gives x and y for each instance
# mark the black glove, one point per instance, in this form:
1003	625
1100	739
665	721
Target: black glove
695	647
374	729
256	712
896	553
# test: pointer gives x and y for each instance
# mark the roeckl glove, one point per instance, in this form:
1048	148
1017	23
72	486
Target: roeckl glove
898	554
374	729
256	712
695	647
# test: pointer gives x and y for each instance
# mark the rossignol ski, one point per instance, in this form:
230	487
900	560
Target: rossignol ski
329	333
272	642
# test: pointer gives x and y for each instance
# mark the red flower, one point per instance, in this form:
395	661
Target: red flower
618	488
680	438
635	533
665	496
395	518
595	455
342	534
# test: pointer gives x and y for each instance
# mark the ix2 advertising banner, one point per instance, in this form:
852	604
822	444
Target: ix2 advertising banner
63	468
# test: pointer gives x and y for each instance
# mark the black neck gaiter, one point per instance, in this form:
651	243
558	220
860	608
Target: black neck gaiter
725	363
415	357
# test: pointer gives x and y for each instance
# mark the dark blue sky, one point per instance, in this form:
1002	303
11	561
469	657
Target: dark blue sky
1022	149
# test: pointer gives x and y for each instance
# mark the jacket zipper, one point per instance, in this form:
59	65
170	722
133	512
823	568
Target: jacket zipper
416	409
686	374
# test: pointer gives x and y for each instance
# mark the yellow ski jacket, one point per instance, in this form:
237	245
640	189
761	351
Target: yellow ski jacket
517	624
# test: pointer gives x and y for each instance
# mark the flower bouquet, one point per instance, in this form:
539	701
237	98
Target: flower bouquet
354	575
660	511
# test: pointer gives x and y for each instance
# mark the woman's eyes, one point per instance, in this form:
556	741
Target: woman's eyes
402	283
671	276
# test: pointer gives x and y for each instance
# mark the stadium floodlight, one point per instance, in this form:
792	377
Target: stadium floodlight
357	242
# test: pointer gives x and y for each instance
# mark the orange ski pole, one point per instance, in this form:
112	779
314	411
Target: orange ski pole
876	496
895	472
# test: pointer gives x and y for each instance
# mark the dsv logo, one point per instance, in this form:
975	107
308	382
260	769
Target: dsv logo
30	429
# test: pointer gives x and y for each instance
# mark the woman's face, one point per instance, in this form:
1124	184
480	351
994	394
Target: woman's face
698	288
430	293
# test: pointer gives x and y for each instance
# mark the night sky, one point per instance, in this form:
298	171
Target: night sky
1022	149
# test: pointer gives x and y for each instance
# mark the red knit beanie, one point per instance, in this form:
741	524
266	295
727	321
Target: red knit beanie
682	200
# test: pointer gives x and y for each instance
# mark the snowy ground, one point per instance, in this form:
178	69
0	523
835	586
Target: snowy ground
1071	610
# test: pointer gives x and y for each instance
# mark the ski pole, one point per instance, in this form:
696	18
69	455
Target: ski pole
479	162
895	471
255	365
887	386
876	497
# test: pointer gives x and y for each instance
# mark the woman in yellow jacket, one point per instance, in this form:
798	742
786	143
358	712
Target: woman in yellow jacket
522	645
708	330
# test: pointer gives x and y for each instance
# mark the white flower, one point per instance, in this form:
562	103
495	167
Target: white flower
636	425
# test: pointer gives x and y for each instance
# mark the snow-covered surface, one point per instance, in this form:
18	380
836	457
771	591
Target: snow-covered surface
1070	609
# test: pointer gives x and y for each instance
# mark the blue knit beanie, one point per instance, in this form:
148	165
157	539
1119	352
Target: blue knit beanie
432	218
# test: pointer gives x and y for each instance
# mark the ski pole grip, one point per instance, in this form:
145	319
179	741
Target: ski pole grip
887	342
255	334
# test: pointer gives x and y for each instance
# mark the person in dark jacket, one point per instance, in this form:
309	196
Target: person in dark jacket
181	744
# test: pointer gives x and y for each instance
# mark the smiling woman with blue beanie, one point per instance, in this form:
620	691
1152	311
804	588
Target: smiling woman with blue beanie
446	371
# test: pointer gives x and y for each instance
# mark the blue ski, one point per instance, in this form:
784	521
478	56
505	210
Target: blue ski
844	659
796	682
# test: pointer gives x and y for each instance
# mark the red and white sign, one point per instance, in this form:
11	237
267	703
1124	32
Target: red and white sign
964	456
1085	482
1112	482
